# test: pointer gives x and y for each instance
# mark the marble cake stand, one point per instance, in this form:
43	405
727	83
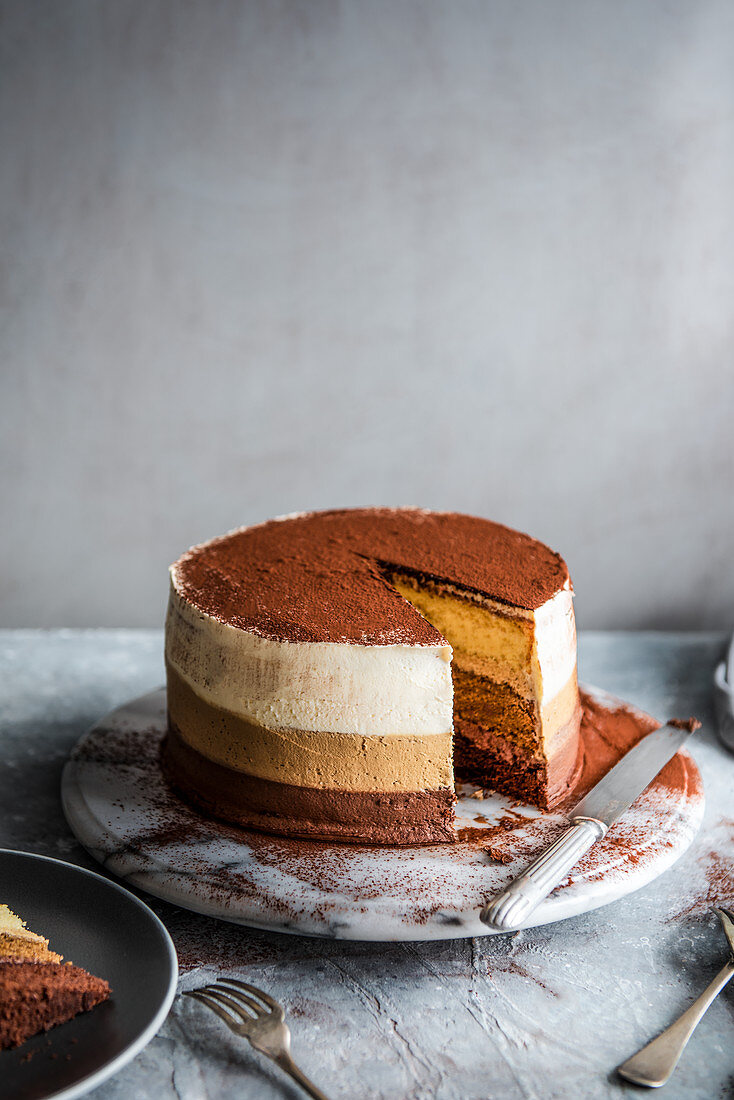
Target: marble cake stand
123	812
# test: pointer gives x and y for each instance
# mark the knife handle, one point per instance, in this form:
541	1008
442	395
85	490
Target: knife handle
514	905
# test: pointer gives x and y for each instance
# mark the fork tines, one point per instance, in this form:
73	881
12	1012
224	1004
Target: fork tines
256	1016
247	1001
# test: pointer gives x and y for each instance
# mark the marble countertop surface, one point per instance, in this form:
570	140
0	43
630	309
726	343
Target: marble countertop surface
543	1013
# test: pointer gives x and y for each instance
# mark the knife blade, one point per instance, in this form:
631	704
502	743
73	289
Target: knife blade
615	793
590	819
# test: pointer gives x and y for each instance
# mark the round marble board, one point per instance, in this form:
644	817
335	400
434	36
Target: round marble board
124	813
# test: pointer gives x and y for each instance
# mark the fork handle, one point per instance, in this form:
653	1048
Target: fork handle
286	1063
653	1065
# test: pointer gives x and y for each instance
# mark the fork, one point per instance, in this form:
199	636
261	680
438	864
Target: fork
653	1065
248	1011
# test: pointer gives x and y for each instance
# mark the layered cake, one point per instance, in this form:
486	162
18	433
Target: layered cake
330	674
38	990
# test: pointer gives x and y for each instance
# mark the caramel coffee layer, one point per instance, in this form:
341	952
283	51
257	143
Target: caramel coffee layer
339	761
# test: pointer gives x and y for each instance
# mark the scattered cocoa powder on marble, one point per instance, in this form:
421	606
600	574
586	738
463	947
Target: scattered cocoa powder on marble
111	745
718	885
202	941
498	854
500	842
216	944
471	832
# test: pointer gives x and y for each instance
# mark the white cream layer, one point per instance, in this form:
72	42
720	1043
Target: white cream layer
555	646
322	686
347	688
534	651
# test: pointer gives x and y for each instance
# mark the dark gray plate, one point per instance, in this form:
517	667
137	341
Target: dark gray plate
104	928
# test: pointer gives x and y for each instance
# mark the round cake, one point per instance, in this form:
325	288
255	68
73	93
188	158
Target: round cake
329	675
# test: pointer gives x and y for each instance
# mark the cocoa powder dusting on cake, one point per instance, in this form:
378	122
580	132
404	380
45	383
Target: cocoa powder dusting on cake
322	577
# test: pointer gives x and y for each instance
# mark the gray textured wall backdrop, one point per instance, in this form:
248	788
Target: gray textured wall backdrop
261	257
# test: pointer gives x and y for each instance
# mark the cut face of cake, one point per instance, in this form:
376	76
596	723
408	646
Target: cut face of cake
329	674
516	708
37	990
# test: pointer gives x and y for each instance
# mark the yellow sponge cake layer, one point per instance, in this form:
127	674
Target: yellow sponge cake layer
532	653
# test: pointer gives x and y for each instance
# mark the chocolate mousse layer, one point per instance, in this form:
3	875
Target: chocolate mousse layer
516	766
485	757
359	817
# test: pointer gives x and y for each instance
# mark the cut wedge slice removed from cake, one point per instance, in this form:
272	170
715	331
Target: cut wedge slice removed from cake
37	990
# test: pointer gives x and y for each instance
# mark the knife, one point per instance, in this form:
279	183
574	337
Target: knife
590	820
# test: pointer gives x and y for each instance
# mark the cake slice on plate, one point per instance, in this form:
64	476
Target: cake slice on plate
38	990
